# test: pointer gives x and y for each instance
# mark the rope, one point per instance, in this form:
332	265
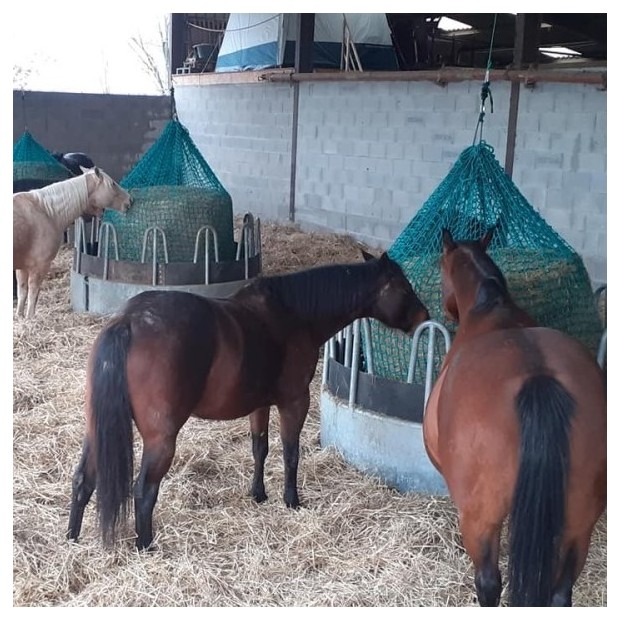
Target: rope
234	29
486	86
173	106
24	109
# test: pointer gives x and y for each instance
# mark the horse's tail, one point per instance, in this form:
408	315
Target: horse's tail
545	411
112	416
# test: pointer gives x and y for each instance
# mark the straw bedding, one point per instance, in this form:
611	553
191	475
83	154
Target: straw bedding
355	542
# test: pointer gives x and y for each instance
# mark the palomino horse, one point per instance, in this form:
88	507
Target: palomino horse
40	217
517	425
171	355
76	163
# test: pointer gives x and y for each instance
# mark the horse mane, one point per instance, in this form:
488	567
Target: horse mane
324	291
63	197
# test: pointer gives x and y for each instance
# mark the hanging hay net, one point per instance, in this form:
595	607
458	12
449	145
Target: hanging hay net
173	189
34	166
545	276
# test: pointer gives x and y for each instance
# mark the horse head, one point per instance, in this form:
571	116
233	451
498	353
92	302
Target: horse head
104	192
467	271
396	303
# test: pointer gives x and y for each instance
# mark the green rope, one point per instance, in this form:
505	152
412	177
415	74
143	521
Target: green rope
486	86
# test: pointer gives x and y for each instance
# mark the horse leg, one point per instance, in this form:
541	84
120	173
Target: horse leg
292	418
156	460
35	278
563	592
22	290
83	486
481	541
259	426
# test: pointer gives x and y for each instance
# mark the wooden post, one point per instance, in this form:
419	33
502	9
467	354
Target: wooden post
527	37
304	52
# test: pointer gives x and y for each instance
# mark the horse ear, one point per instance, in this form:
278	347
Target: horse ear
486	238
367	255
447	240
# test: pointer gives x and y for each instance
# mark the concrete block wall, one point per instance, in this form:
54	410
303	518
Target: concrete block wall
561	165
244	131
114	130
370	153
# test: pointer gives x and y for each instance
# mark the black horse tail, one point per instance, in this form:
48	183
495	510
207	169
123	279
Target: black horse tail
112	417
545	411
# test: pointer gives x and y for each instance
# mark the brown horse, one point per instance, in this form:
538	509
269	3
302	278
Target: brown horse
517	425
40	217
171	355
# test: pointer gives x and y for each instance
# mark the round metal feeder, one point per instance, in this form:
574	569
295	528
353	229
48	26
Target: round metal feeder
101	283
375	422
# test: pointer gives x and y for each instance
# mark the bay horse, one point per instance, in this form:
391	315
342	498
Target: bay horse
40	217
170	355
517	425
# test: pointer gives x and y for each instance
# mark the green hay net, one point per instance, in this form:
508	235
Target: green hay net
174	189
34	165
544	274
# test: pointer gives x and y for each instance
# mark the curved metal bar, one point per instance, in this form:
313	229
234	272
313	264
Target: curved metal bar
432	326
207	229
104	233
79	241
370	364
351	356
247	241
598	293
259	243
154	230
355	364
602	350
95	225
325	361
348	345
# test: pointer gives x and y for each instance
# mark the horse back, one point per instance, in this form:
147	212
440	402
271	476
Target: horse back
36	238
472	413
211	358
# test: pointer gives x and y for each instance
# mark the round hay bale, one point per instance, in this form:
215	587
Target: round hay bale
553	287
180	212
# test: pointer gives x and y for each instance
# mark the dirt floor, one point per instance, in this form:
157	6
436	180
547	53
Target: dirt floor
355	542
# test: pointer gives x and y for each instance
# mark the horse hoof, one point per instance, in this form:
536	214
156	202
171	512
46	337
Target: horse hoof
293	503
146	548
259	498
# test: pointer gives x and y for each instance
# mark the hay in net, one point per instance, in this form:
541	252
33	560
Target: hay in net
174	188
179	212
34	163
544	274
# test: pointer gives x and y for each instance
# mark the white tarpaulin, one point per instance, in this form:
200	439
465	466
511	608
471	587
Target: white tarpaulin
264	40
